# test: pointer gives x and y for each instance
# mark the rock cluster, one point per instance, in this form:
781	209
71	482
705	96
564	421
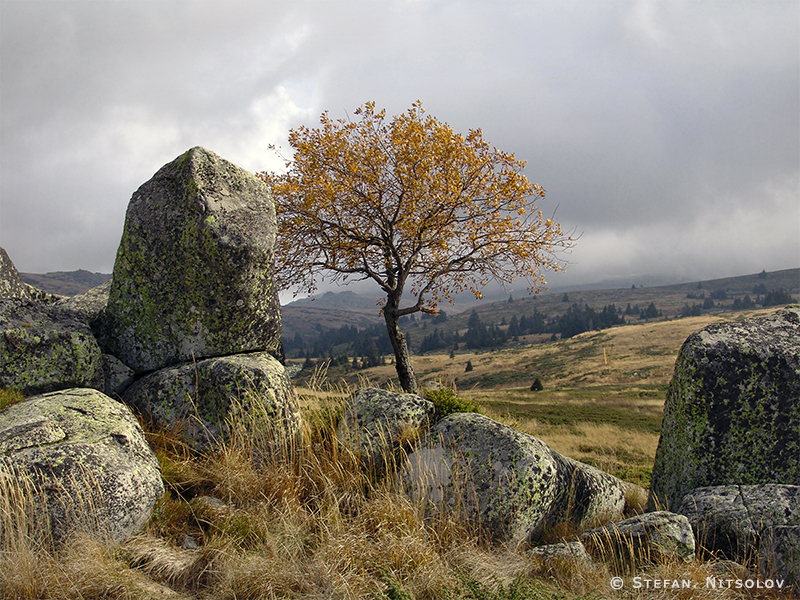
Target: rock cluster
187	330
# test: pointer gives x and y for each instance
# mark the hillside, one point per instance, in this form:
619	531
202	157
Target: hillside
65	283
308	318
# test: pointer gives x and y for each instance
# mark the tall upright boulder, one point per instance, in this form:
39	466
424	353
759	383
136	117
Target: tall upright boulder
193	276
732	411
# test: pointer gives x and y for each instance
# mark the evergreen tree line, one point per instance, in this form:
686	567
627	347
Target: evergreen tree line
366	347
338	344
763	298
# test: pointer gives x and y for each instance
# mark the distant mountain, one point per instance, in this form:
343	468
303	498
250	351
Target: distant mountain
346	300
65	283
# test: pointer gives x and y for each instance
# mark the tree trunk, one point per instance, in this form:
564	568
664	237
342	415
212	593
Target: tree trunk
405	372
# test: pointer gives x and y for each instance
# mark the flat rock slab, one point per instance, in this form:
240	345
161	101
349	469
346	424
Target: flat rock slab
731	519
87	455
557	555
193	277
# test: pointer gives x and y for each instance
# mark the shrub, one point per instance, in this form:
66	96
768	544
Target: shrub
537	385
446	402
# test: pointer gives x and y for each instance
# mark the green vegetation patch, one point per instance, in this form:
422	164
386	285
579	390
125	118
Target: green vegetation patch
446	402
622	414
491	380
9	397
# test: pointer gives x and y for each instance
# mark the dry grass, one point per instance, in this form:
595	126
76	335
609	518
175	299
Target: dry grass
300	518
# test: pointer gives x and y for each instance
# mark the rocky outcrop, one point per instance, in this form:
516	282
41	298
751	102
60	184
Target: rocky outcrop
200	396
644	539
12	286
87	459
378	422
732	411
509	482
46	347
193	277
733	519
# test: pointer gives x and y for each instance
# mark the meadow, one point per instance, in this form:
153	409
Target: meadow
261	517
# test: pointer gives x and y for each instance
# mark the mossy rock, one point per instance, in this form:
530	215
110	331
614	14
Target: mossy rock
46	347
200	397
193	277
86	461
732	411
509	483
378	422
731	520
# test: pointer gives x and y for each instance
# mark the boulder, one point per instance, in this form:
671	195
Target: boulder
644	539
88	457
731	519
510	483
46	347
732	410
779	556
378	422
12	286
561	554
201	396
193	277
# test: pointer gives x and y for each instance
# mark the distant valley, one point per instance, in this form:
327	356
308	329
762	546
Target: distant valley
306	319
65	283
308	322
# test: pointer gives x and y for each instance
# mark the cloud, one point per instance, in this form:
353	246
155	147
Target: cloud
667	132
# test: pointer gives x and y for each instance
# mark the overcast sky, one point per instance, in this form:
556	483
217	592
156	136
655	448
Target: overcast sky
668	133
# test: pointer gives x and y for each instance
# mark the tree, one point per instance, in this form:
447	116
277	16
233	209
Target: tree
411	205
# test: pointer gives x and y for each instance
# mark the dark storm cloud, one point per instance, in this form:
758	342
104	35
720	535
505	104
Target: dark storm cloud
668	133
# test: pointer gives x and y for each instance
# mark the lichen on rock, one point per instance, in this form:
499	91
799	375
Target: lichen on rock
46	347
86	456
510	483
378	422
732	411
193	277
200	396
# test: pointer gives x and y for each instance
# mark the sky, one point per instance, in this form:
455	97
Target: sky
667	134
